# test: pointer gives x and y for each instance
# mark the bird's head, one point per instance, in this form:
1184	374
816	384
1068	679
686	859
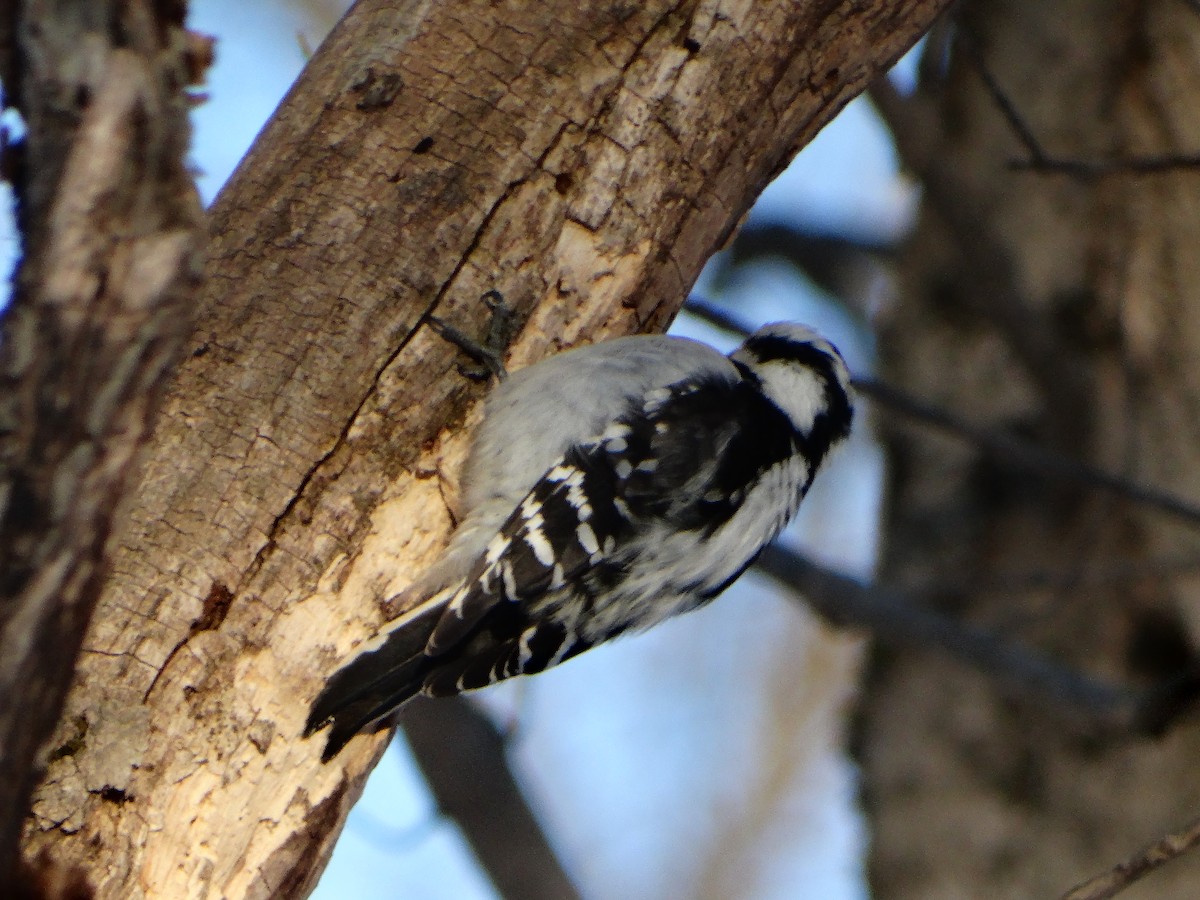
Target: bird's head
804	375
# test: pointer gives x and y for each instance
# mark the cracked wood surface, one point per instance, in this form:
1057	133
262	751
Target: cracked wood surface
584	163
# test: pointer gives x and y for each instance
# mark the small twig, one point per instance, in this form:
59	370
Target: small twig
999	445
1025	455
1041	161
893	617
827	260
995	291
1090	170
305	45
714	315
1123	874
1007	108
1098	574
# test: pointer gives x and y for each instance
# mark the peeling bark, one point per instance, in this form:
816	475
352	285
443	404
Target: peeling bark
584	162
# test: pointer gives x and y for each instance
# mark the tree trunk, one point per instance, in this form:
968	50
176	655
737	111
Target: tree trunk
584	161
100	311
1065	307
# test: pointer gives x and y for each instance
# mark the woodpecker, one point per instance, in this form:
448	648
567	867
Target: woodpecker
607	489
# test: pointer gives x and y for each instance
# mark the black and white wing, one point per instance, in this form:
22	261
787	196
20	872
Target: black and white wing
681	458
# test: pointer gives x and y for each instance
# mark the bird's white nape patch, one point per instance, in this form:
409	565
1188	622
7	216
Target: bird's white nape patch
797	390
797	370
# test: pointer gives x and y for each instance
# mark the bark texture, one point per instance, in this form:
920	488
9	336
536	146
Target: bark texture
583	160
1066	309
100	311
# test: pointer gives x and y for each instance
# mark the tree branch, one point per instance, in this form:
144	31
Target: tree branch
894	618
1022	454
995	288
1039	160
1128	871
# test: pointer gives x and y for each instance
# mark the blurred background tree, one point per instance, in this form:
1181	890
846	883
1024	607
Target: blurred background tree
1056	298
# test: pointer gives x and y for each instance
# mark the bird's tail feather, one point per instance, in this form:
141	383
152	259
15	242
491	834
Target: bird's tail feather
357	716
375	683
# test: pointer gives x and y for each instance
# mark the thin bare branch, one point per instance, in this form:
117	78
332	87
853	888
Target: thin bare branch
1007	108
1022	454
1127	871
1039	160
893	617
1093	169
832	262
995	291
